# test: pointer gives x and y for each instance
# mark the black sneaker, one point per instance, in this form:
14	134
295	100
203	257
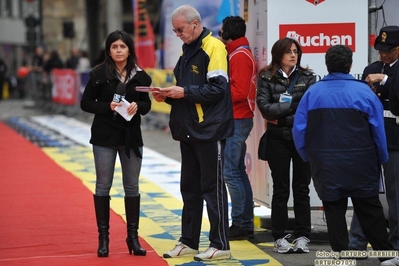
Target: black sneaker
238	233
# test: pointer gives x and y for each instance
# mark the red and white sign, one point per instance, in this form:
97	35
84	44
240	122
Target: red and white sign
317	38
64	86
316	24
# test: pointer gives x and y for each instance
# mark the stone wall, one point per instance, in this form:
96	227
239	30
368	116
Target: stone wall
55	13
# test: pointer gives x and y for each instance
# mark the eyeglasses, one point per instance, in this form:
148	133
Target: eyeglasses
289	52
179	30
390	51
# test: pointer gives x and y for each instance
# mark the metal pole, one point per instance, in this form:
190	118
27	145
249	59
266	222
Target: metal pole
373	54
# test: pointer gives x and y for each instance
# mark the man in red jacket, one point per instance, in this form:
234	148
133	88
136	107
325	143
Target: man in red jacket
242	74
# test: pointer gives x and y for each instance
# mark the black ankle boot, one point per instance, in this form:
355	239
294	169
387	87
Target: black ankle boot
101	205
132	209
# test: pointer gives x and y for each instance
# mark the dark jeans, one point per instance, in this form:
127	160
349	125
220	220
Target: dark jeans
236	177
281	153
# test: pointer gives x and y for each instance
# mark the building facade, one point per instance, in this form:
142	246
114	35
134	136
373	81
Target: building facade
60	25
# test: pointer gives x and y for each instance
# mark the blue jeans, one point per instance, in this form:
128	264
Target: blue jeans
235	175
357	239
104	160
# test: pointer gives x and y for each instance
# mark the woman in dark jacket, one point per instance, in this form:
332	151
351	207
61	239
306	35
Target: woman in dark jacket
281	85
111	134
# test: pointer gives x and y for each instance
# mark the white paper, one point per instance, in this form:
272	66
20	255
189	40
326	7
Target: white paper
122	110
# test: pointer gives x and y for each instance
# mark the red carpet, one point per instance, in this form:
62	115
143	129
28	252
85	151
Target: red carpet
47	215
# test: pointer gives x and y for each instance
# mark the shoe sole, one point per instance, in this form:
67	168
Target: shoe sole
299	250
218	258
167	256
284	252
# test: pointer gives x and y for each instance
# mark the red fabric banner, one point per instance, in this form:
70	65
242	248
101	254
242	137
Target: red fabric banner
143	35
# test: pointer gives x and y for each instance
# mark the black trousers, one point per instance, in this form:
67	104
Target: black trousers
281	152
202	179
371	218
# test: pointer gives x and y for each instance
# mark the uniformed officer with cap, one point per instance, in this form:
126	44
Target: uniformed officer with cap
381	75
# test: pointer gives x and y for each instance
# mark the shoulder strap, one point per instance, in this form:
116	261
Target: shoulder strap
292	83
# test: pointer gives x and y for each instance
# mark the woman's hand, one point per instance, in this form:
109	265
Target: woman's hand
132	109
113	105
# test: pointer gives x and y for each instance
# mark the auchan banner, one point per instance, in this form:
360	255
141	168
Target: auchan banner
317	25
318	37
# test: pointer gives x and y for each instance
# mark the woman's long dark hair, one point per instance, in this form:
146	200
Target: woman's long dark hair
110	68
278	50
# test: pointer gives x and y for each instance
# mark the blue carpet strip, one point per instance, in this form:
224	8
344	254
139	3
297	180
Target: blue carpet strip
39	135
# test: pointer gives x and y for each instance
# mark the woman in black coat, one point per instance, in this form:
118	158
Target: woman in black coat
281	86
112	134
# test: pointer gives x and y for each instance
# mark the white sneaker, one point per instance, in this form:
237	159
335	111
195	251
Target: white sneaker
391	262
301	245
282	246
180	250
213	254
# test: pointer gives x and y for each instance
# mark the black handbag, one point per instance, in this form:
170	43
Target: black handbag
262	149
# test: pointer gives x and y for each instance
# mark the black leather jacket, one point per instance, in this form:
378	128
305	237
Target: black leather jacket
280	115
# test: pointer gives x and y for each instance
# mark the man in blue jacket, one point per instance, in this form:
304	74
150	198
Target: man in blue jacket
339	128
